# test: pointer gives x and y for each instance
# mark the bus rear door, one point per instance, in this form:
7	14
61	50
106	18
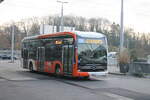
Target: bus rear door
41	58
25	57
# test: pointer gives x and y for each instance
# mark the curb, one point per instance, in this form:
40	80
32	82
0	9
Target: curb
116	73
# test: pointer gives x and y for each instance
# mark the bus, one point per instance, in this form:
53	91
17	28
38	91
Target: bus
75	54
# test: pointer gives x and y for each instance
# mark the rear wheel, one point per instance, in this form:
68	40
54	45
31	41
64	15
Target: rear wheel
31	67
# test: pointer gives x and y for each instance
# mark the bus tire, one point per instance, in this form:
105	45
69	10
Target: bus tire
57	71
86	77
31	67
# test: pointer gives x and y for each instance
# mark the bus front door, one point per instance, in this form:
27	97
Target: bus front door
41	58
67	59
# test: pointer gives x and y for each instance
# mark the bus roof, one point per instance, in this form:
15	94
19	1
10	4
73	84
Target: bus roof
89	34
83	34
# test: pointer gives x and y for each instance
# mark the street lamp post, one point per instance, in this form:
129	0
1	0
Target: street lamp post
61	20
121	26
12	44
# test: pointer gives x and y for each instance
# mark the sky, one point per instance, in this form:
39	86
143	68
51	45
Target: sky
136	12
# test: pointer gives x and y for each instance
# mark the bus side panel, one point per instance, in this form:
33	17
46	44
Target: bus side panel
57	62
78	74
36	65
75	70
50	66
75	67
33	63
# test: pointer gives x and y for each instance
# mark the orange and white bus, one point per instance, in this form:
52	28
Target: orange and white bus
76	54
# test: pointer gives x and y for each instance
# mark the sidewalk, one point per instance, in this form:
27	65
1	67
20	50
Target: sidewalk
114	70
11	71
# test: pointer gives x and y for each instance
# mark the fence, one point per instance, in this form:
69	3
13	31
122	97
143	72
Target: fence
139	67
8	52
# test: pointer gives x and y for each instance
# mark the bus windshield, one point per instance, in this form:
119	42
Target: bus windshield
92	53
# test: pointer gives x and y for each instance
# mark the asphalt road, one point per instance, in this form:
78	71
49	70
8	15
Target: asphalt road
19	84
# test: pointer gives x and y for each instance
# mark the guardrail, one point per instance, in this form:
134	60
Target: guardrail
16	52
139	67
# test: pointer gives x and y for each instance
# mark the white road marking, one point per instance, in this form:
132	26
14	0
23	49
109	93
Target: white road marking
2	80
22	79
117	97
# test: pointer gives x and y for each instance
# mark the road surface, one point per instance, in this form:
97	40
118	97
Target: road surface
20	84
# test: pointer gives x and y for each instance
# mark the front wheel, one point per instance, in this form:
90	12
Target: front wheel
86	77
58	72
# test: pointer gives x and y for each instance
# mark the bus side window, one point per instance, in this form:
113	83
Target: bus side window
48	52
58	52
53	52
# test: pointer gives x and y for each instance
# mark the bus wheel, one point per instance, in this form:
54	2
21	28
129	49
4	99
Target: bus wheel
86	77
58	71
31	67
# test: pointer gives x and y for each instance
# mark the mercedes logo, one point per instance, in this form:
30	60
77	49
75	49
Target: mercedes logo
93	67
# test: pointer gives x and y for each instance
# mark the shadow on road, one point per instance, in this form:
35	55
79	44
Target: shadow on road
47	76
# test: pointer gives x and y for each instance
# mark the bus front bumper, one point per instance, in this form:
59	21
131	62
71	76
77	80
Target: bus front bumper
98	74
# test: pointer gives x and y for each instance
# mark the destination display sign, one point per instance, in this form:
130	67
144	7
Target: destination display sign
91	41
58	42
